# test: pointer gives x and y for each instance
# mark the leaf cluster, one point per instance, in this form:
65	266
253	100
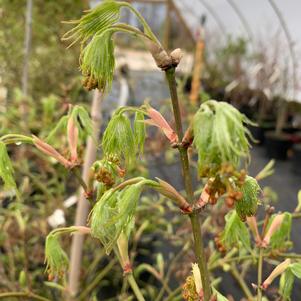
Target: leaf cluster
220	136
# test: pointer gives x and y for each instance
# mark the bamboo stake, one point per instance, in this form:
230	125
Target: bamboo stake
197	71
82	209
167	27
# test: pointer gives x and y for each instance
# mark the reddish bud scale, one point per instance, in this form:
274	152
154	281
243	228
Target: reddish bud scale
50	151
156	119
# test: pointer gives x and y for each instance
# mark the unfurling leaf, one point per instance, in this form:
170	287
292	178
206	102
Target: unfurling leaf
55	257
286	285
113	213
118	139
247	205
95	21
139	131
83	121
219	136
6	169
266	171
279	230
235	231
98	62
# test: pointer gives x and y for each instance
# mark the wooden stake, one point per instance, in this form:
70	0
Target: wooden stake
83	206
197	71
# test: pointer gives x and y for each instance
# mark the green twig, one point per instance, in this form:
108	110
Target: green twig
135	287
259	275
27	295
96	280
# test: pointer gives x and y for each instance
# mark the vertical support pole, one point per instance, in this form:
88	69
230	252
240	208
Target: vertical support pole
197	70
83	207
167	28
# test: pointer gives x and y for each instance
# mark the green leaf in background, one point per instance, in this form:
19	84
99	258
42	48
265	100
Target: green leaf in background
6	169
286	285
247	206
235	231
219	296
60	127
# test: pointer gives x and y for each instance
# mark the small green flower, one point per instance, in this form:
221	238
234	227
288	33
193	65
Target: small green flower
219	136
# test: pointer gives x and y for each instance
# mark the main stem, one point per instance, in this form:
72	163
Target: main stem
194	219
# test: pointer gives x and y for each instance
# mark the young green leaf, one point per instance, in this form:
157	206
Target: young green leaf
95	21
83	121
235	231
98	62
282	234
60	127
118	139
114	213
6	169
219	136
296	269
55	257
139	131
247	206
286	285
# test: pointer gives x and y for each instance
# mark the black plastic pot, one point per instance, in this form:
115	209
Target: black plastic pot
277	146
296	159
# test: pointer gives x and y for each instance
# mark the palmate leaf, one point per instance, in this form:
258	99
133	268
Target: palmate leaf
98	62
113	213
118	139
247	206
235	231
6	169
95	21
219	135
